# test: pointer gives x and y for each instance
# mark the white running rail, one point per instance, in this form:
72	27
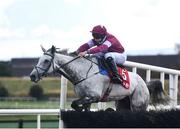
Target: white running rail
37	112
173	77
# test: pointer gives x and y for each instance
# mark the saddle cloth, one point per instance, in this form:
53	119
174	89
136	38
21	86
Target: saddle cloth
125	76
122	72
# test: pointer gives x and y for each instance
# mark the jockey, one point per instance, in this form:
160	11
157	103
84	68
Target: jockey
107	46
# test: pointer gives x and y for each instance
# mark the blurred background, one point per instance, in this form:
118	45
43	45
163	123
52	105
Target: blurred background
148	29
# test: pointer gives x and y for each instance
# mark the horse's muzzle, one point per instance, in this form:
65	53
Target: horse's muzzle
33	78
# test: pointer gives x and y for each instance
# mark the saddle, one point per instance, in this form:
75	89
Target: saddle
121	70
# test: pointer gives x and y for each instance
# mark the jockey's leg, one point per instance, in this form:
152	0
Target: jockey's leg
112	68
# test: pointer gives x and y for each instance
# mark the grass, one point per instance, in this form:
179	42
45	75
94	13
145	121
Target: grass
29	104
29	121
19	87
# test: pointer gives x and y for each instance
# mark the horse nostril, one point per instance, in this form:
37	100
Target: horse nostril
33	77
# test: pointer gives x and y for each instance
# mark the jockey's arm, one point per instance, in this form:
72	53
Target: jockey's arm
81	54
85	46
102	48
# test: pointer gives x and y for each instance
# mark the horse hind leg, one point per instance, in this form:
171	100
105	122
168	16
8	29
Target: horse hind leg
139	100
123	104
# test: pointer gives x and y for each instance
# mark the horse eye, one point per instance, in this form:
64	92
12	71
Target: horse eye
46	61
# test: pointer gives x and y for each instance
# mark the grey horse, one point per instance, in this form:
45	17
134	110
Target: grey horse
90	84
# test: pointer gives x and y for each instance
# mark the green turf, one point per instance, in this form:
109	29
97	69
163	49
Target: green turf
19	87
29	104
30	124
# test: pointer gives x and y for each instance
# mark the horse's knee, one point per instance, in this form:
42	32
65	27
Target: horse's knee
73	105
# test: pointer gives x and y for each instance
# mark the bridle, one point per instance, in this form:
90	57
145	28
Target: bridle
60	71
44	73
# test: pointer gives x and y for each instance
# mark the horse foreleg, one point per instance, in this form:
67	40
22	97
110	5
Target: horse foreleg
76	105
83	103
87	107
87	101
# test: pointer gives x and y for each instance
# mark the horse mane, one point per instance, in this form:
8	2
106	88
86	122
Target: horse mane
65	52
73	54
62	51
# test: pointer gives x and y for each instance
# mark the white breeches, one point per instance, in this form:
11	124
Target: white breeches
119	58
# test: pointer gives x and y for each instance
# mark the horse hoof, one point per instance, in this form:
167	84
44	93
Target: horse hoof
109	110
76	107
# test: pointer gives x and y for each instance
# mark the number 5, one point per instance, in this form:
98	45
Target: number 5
124	74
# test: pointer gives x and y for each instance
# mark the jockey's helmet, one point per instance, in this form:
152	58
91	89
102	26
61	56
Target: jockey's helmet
99	29
99	32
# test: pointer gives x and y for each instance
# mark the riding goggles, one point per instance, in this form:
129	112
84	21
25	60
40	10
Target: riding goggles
97	36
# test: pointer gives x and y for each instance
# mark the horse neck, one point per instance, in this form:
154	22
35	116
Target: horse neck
76	69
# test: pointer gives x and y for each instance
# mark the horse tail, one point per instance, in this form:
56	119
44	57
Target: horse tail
157	94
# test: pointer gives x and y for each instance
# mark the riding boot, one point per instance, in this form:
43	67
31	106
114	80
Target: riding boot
112	69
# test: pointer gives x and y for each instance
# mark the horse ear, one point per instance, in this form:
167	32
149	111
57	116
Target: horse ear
53	49
43	49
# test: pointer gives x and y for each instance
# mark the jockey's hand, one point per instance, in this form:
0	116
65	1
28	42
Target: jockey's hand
81	54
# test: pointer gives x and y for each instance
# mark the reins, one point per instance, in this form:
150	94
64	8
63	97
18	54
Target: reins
67	76
60	71
69	61
87	73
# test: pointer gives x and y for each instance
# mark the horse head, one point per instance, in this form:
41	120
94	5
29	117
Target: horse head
45	65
